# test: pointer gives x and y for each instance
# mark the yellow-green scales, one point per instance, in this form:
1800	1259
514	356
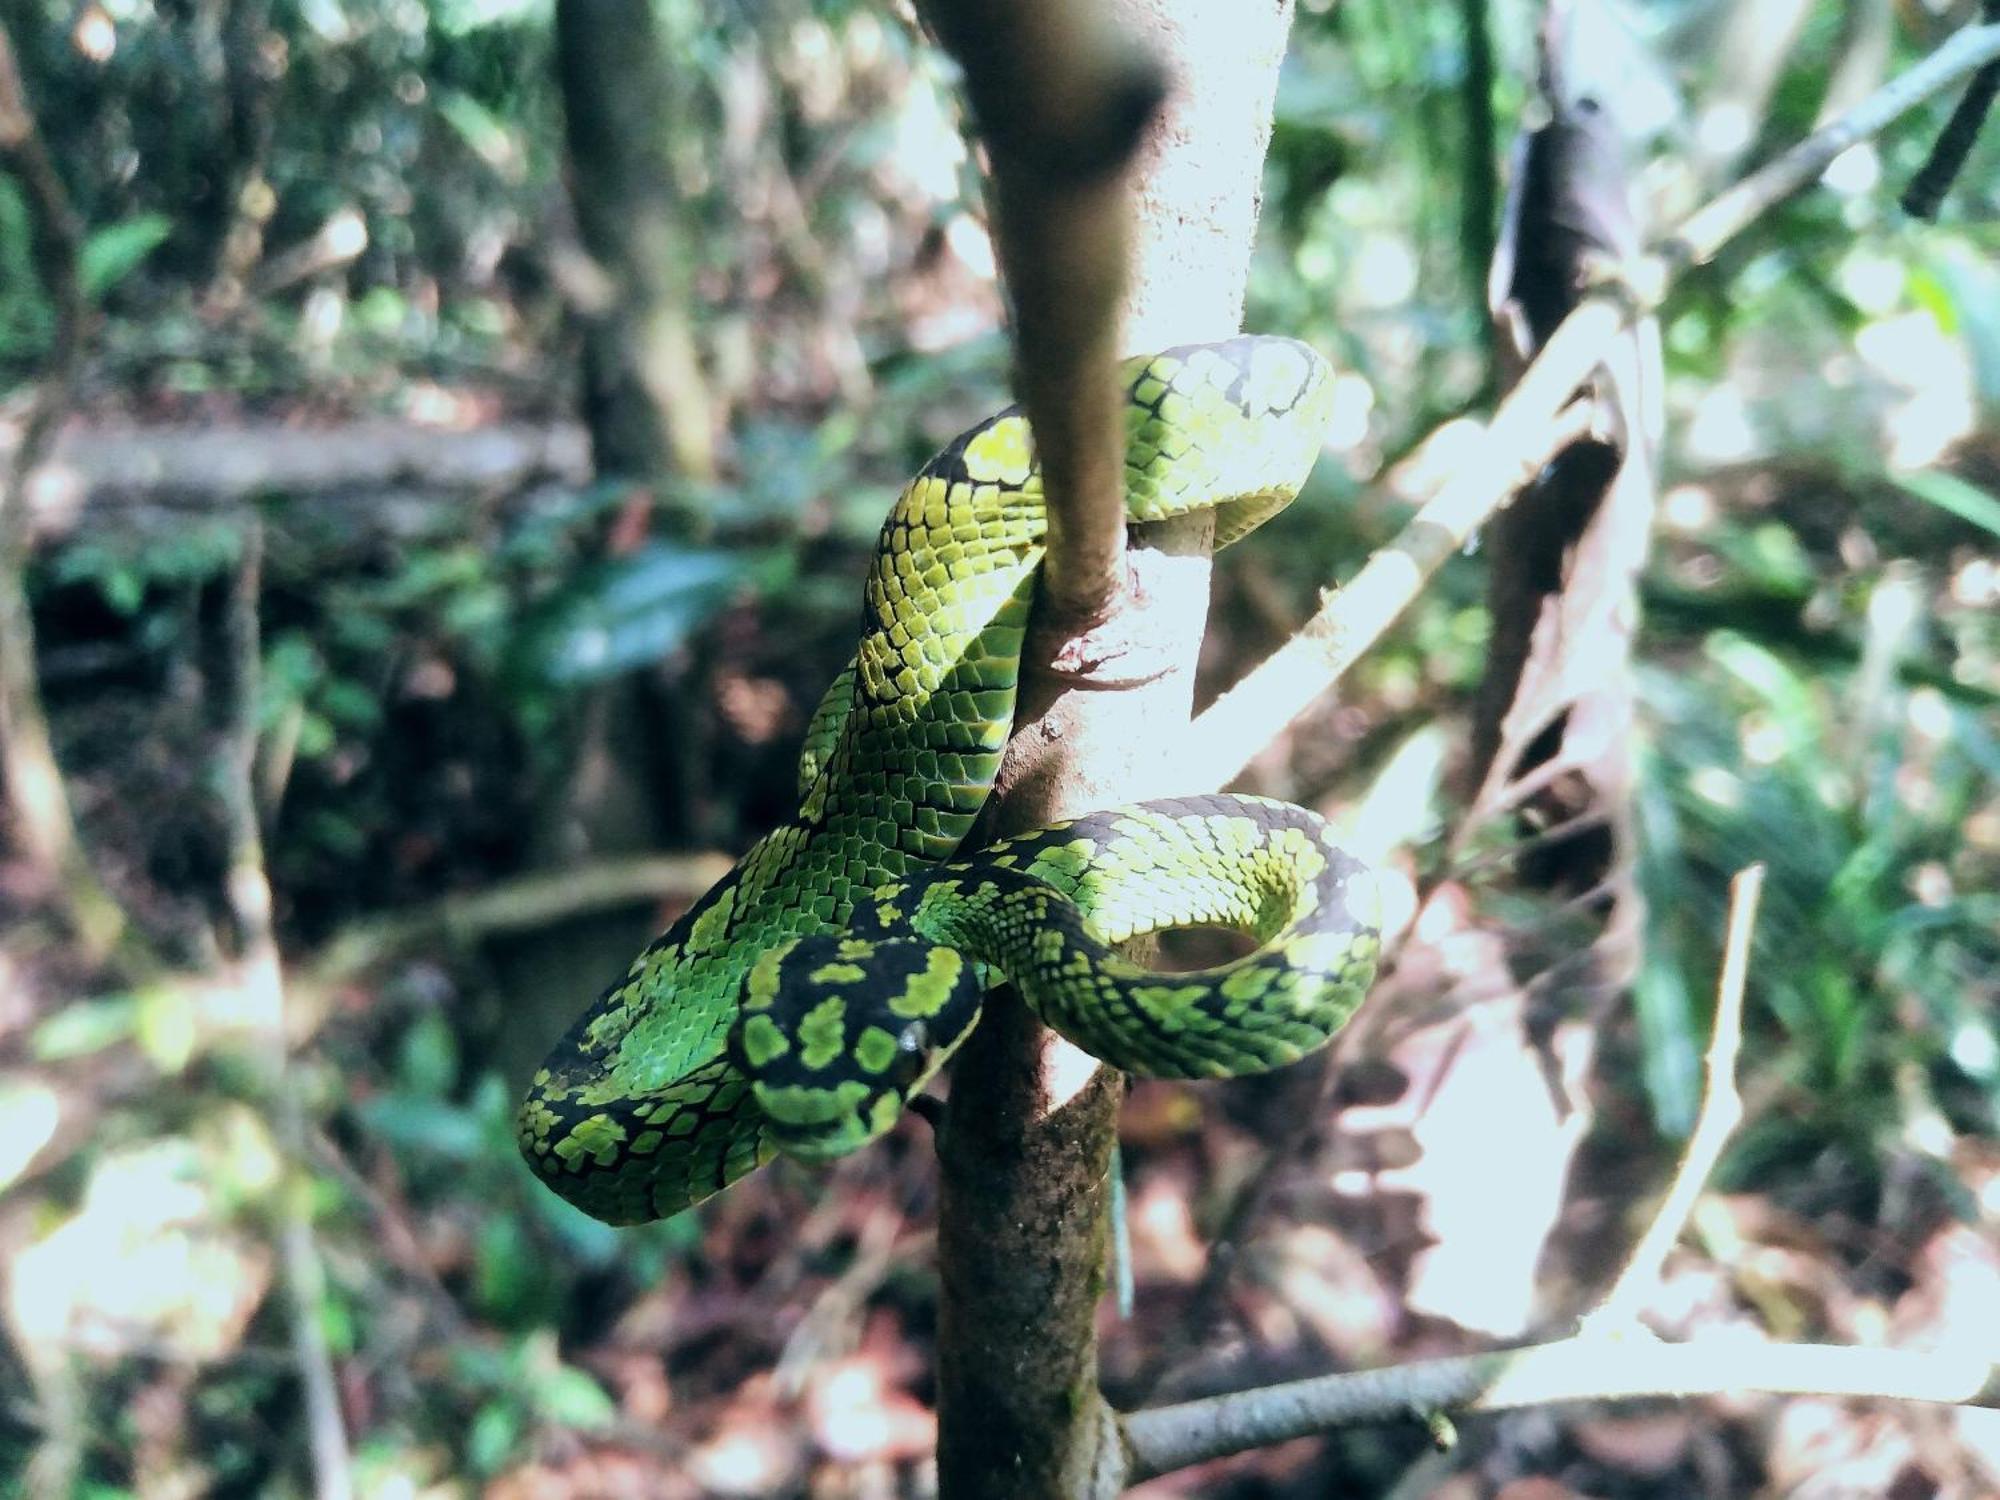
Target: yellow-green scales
649	1102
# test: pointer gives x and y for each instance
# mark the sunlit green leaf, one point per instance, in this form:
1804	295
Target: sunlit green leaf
86	1026
567	1396
424	1126
631	611
1955	496
490	1442
428	1057
113	253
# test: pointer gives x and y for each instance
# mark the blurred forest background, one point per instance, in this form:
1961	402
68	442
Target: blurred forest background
340	310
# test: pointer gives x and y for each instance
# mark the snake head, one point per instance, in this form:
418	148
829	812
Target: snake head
837	1034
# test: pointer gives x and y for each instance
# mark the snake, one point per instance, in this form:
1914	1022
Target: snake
806	999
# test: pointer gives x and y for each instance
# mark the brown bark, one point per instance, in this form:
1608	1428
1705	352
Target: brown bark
37	804
1106	693
648	408
647	398
246	200
1550	742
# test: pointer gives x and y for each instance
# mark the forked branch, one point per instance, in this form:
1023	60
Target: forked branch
1026	1145
1612	1357
1720	1113
1252	713
1083	224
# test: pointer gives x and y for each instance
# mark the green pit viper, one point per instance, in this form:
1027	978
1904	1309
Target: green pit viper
802	1002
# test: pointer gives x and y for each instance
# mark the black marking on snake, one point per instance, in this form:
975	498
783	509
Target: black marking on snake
733	1027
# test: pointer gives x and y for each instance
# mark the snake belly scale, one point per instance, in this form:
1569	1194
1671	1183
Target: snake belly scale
818	986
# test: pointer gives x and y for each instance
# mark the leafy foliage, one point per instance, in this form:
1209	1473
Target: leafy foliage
312	210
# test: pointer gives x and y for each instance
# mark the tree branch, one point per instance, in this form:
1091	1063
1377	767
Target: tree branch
1720	220
1516	443
1479	199
1155	1442
1107	674
1720	1113
259	974
1610	1360
373	474
1027	1144
651	408
1252	713
1925	194
37	803
1166	1438
529	902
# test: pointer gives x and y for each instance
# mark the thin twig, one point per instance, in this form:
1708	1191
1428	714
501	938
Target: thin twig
1464	871
1252	713
305	1285
398	1239
1201	1314
1925	194
525	903
37	803
1720	1113
1165	1438
830	1322
259	974
1480	156
1720	220
1516	443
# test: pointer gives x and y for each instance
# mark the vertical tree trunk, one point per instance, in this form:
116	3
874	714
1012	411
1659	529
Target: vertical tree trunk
647	405
647	401
1028	1139
36	803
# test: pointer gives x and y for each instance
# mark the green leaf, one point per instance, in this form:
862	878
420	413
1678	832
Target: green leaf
1955	496
494	1433
571	1398
1670	1059
428	1060
629	612
84	1027
349	704
113	253
486	134
1962	290
423	1125
167	1028
338	1323
508	1272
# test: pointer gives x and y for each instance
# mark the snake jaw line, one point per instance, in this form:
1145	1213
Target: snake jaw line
878	1022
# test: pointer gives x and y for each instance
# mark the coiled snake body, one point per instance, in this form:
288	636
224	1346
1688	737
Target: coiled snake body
803	1000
